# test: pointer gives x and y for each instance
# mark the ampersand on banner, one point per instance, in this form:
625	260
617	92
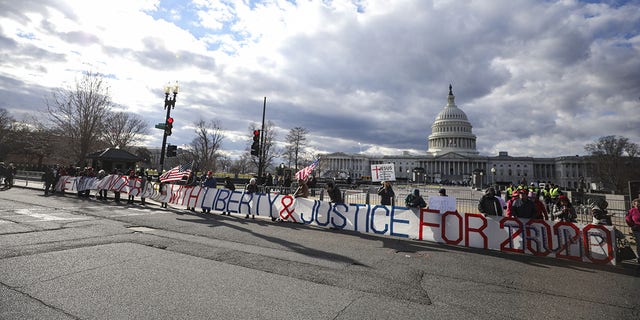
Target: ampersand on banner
286	212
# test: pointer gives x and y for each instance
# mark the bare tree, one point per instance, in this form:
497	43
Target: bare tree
123	129
242	165
79	113
6	124
296	141
206	145
614	161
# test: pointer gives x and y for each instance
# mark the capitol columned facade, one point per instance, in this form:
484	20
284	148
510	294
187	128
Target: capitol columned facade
451	157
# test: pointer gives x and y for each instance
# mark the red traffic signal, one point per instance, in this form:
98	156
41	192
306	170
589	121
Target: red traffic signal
168	126
255	146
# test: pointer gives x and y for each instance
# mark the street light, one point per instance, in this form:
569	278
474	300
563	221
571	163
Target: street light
169	103
481	181
493	173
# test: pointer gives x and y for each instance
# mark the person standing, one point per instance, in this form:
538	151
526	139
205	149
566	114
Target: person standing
162	188
11	173
251	188
334	193
522	206
599	212
502	202
116	192
489	205
313	184
633	221
414	200
102	193
303	190
209	182
386	193
192	181
48	178
509	192
145	180
541	209
228	184
563	210
132	185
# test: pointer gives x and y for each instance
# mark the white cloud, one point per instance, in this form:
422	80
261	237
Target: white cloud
535	78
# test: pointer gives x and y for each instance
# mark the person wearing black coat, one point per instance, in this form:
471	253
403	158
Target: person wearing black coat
489	205
386	193
334	193
48	179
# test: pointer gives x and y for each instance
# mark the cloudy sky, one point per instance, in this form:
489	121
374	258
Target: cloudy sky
536	78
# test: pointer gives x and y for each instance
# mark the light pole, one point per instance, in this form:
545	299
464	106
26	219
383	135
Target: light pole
493	174
169	103
481	181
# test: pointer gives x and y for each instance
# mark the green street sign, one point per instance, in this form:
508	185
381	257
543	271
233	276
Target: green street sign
161	126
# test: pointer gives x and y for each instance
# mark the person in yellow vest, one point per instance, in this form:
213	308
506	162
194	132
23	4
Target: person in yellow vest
554	193
509	191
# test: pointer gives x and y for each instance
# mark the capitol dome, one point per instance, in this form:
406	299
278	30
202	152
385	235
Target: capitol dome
451	131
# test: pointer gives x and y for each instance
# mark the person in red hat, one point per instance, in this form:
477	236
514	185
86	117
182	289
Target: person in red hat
521	206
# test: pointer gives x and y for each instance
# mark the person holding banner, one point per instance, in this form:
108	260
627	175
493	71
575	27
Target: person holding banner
520	206
415	200
250	188
132	184
386	193
564	211
209	182
633	221
334	193
489	205
303	189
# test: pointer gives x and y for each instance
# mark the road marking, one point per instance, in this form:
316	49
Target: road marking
47	216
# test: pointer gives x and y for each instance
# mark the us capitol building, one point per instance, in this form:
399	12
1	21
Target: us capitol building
452	157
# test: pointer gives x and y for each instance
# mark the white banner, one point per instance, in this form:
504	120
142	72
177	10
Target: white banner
443	224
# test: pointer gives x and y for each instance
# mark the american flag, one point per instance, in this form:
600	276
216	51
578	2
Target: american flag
176	173
304	173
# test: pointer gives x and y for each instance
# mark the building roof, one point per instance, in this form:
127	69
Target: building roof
114	154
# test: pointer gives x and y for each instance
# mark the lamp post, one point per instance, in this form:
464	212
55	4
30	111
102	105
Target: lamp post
481	181
493	174
169	103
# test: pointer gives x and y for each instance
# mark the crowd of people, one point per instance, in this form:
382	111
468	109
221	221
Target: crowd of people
521	201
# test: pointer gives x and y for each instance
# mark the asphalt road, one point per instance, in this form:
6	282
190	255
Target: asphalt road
66	258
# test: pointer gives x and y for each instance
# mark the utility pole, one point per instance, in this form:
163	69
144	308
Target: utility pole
262	152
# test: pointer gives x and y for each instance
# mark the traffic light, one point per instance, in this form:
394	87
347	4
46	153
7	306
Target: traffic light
168	126
172	150
255	146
